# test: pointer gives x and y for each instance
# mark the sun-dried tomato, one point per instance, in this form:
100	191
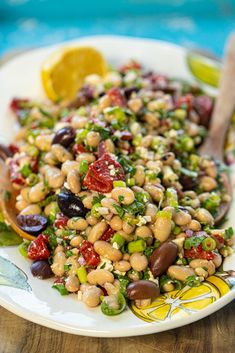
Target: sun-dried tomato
102	173
197	252
108	234
38	250
89	254
79	148
61	221
116	97
186	101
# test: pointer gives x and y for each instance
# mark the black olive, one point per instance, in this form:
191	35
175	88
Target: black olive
64	136
41	269
33	224
71	205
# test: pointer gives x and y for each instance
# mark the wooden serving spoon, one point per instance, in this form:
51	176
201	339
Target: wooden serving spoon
221	118
8	200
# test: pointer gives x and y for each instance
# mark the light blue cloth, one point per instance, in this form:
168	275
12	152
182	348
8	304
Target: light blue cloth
192	23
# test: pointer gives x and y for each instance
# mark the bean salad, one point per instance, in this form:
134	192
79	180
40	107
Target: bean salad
112	186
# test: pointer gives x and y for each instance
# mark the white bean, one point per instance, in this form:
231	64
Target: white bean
70	165
43	142
58	263
89	157
162	228
105	249
53	176
21	205
38	192
138	261
181	218
73	181
77	223
123	195
97	231
31	209
100	276
122	266
91	296
204	216
180	273
72	284
61	153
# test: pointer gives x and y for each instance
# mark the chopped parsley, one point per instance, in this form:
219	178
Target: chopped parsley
193	241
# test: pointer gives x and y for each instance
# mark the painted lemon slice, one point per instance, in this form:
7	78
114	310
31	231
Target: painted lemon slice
183	302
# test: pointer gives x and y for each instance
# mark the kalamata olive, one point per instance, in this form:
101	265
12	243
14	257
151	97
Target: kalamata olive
162	258
188	182
71	205
41	269
33	224
129	90
142	290
64	136
5	152
84	96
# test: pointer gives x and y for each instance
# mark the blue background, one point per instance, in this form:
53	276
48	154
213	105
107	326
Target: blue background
192	23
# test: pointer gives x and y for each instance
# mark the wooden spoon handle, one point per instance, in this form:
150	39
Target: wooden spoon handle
225	103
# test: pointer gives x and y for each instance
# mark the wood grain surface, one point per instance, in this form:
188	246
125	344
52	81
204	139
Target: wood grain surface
214	334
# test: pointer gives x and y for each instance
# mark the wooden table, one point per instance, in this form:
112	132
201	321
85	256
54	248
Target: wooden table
214	334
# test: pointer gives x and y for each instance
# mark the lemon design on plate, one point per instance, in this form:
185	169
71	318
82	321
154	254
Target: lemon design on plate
183	302
63	72
204	69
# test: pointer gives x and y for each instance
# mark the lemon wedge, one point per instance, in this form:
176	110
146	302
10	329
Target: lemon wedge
204	70
64	71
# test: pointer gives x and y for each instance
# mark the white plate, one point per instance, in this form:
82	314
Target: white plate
35	300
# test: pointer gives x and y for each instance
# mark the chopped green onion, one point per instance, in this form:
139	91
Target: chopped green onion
180	114
137	140
118	239
130	181
81	111
208	244
83	167
68	253
164	214
26	170
117	112
193	241
177	230
32	151
23	248
82	274
61	288
81	135
136	246
95	213
119	183
107	310
229	232
172	197
193	281
32	179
